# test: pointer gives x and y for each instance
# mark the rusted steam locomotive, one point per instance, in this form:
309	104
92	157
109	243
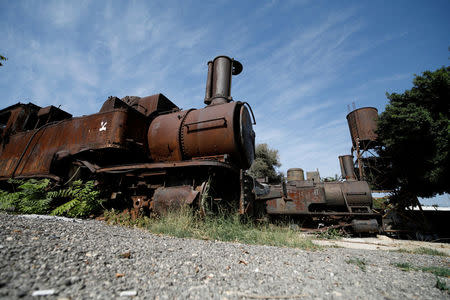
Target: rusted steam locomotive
144	150
348	203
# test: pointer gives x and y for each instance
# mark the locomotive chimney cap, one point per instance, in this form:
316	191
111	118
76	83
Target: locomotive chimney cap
236	65
218	82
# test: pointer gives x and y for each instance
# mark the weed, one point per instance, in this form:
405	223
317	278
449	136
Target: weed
185	224
379	203
441	285
423	250
438	271
331	234
361	263
404	266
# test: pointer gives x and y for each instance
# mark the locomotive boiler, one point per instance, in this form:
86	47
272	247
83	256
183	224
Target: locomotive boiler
143	151
348	202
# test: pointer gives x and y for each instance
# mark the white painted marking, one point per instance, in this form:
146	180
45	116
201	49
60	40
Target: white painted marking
103	126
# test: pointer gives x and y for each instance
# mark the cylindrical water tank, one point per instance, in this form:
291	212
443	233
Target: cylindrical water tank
295	174
362	123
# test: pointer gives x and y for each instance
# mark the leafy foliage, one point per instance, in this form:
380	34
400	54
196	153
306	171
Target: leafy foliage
31	197
84	200
441	285
2	58
36	197
415	131
266	160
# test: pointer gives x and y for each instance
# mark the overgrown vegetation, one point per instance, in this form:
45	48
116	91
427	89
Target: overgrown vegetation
83	200
186	224
380	203
423	250
441	285
331	234
38	197
438	271
30	197
361	263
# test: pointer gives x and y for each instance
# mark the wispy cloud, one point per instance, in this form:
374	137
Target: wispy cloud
308	109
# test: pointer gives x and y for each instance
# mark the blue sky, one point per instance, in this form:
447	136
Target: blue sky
304	61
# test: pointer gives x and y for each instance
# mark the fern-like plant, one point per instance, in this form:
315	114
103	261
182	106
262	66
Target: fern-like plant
33	197
83	200
30	197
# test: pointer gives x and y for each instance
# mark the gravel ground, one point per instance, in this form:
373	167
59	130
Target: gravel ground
92	260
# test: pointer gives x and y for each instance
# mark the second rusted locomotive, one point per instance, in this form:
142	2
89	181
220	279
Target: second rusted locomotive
348	202
144	150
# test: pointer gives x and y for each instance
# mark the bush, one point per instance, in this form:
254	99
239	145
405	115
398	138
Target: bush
37	197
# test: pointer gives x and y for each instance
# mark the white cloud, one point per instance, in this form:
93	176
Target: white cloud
64	13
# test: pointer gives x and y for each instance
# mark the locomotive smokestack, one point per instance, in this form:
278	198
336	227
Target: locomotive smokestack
347	169
218	83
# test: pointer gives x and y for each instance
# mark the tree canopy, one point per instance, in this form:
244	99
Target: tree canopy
414	132
2	58
266	160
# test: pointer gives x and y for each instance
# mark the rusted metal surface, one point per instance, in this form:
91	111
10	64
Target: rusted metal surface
365	226
17	118
347	169
51	114
214	129
34	152
362	123
209	83
151	104
145	151
171	198
313	176
298	197
294	174
166	165
140	204
218	83
147	105
350	193
297	201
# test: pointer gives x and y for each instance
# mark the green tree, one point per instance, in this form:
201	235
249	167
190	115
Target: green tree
2	58
266	160
414	132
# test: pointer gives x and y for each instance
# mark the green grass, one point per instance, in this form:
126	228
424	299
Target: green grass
438	271
423	250
185	224
331	234
441	285
361	263
404	266
379	203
